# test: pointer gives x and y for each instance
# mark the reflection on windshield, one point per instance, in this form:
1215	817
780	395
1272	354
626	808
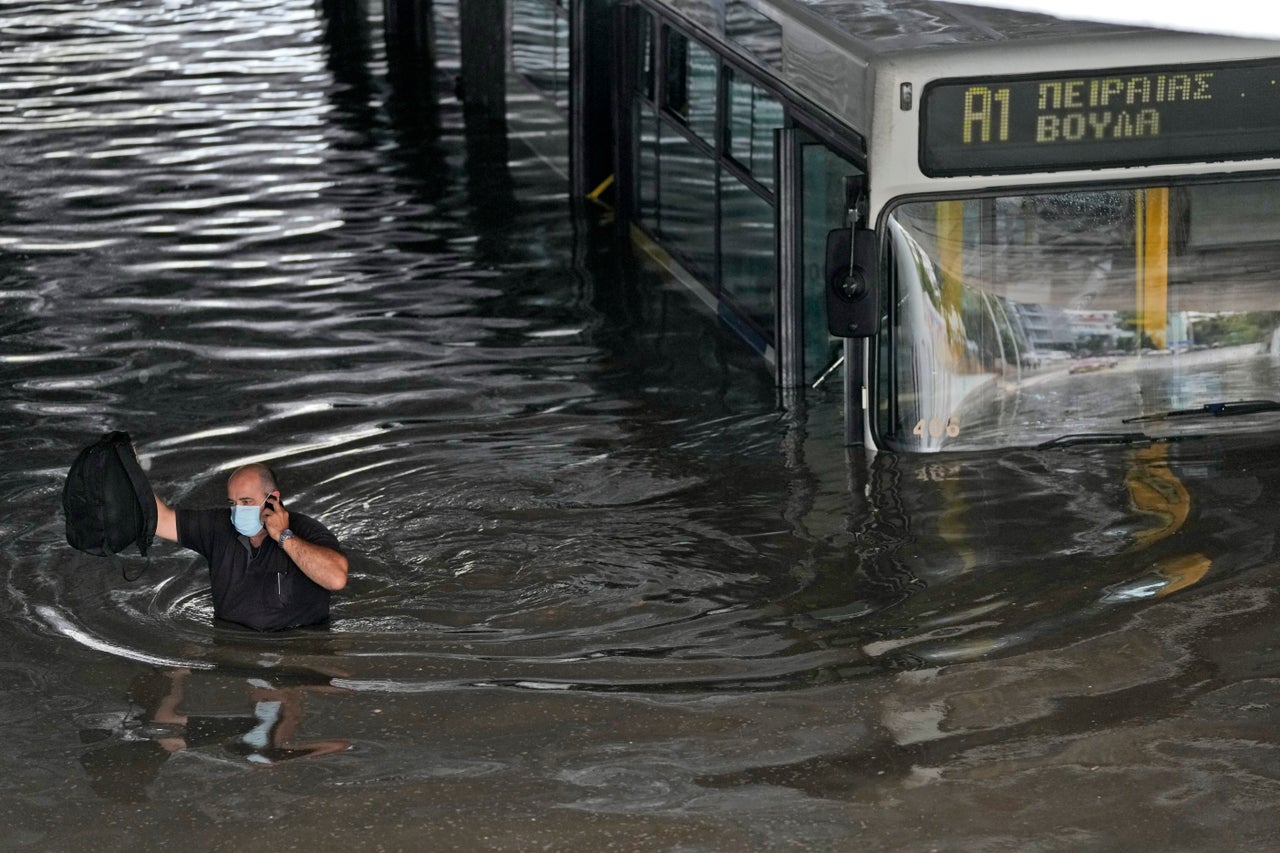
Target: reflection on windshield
1017	319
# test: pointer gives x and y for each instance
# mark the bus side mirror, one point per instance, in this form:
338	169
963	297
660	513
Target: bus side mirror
853	292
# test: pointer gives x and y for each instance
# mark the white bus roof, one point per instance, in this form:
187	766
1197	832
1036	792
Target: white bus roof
829	50
852	58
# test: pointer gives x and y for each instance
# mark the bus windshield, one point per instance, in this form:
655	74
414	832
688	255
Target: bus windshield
1017	320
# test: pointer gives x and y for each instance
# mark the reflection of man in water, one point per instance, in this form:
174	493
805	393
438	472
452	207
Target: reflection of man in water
269	568
142	743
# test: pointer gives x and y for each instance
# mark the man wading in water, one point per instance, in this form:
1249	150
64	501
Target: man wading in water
269	568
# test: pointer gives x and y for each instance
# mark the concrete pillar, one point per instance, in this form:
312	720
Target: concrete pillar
410	38
409	30
483	88
483	91
347	35
591	108
346	25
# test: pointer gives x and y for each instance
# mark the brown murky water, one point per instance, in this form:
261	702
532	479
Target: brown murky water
605	595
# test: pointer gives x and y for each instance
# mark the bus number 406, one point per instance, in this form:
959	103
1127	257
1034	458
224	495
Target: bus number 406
937	427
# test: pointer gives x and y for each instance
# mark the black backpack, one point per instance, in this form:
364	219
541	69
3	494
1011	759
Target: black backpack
107	499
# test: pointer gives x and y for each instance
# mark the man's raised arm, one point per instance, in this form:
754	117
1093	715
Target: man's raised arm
166	521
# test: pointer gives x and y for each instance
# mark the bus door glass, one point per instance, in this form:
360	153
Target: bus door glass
825	202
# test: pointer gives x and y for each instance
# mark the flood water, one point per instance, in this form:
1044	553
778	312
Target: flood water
605	592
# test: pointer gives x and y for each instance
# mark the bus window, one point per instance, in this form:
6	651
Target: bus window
824	205
644	116
646	165
687	201
749	268
751	117
690	84
1022	318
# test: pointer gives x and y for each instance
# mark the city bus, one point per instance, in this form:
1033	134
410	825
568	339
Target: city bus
1002	229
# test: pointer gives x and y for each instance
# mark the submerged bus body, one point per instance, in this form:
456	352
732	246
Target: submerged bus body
1008	229
1079	240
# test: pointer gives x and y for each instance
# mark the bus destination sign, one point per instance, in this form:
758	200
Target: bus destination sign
1133	117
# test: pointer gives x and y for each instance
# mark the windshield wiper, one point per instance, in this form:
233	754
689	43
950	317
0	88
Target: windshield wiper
1215	410
1078	438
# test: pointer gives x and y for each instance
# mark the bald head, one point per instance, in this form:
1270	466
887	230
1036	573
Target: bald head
254	481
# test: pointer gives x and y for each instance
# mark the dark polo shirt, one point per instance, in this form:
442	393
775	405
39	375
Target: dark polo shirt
261	589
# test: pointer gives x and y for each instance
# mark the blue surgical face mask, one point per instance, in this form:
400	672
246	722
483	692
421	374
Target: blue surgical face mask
247	519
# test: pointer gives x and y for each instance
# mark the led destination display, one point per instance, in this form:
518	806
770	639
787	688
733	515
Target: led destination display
1127	117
